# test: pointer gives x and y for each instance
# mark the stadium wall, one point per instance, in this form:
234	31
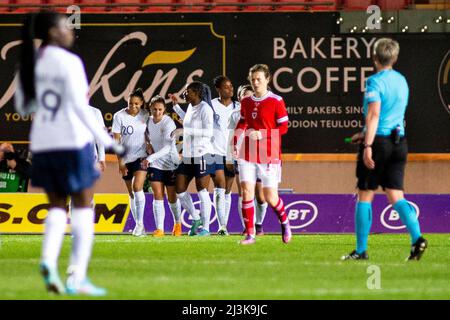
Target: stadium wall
424	177
319	72
318	213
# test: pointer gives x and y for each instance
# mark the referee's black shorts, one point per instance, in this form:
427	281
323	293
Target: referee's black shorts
390	162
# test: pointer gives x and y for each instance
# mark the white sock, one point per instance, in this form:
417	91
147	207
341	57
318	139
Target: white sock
187	203
133	207
69	212
139	199
83	236
227	207
205	207
240	212
219	197
260	212
159	213
55	226
176	211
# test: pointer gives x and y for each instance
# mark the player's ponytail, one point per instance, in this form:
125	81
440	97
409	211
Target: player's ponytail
206	96
139	93
35	26
28	60
157	99
204	93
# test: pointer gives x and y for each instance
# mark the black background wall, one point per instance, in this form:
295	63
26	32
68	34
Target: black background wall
319	72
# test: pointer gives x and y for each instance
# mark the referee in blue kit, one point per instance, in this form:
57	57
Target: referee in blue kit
383	150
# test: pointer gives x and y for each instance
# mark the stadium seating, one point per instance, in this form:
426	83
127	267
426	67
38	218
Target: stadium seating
96	9
168	8
66	3
25	2
393	4
188	5
226	8
127	8
357	4
4	9
209	5
334	6
286	5
258	8
144	8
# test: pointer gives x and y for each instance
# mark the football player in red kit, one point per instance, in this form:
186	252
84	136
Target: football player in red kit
264	120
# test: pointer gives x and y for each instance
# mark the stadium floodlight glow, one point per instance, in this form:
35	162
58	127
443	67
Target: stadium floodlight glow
390	20
340	20
424	29
353	29
405	29
364	30
380	20
448	20
438	19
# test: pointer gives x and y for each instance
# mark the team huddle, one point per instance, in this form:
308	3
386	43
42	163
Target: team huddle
222	139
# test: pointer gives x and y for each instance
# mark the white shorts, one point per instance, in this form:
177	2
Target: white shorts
269	173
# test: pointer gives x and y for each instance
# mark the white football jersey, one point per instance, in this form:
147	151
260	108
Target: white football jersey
222	132
232	123
198	130
165	156
100	149
62	119
132	133
235	117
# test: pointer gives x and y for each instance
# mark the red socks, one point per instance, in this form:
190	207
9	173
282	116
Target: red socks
279	210
248	213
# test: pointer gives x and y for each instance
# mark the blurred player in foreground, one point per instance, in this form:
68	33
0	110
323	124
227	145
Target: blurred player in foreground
53	84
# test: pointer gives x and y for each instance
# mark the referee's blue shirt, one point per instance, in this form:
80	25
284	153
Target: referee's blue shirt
391	89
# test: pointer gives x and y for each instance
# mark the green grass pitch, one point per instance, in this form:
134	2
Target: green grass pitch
218	268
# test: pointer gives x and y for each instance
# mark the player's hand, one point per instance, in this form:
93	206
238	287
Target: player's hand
255	135
145	164
235	153
101	165
358	138
123	169
176	134
150	148
367	158
174	98
118	149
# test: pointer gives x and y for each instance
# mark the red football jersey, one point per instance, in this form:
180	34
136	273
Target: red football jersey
268	115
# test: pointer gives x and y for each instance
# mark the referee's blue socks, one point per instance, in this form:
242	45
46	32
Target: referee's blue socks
408	216
363	222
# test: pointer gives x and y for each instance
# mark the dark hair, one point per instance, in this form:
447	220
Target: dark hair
139	93
219	80
242	88
35	26
204	92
